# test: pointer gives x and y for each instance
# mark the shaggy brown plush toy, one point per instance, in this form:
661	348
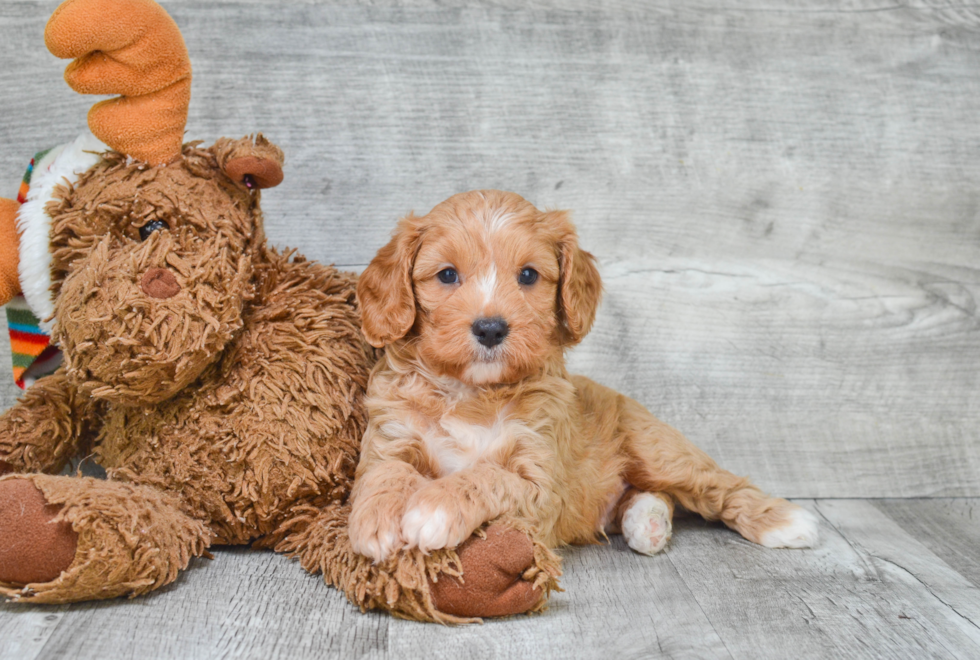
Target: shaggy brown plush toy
218	381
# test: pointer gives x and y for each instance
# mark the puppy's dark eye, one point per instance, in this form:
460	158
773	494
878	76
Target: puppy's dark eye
448	276
150	227
528	276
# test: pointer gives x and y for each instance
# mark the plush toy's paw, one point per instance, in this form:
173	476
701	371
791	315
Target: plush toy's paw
32	547
492	583
646	524
375	532
801	530
433	520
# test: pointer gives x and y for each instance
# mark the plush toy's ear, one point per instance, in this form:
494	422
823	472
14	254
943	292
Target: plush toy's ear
384	290
132	48
250	162
579	286
9	250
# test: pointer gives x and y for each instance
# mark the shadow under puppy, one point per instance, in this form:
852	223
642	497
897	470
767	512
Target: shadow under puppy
473	416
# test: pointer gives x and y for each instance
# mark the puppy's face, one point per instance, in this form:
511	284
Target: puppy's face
486	287
486	280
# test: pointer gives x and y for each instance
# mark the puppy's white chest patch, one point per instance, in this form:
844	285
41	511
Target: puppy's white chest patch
455	445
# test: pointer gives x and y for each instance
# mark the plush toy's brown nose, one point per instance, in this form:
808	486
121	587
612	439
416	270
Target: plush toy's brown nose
159	283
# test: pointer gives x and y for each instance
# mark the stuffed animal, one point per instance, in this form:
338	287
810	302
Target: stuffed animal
217	380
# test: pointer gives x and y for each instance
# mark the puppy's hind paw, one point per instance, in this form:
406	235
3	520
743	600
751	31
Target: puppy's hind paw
800	531
646	524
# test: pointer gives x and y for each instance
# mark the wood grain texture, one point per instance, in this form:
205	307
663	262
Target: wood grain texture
8	390
242	604
616	604
888	545
868	591
948	527
873	589
783	197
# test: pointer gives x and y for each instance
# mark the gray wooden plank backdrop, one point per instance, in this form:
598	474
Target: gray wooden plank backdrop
783	196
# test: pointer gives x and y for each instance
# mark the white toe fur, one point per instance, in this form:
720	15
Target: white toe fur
426	529
802	531
646	524
377	545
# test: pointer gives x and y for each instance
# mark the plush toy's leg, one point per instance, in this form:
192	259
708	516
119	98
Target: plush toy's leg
9	250
501	573
34	545
66	539
665	461
44	429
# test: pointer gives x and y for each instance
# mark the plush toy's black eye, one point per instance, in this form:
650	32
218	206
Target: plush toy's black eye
150	227
448	276
528	276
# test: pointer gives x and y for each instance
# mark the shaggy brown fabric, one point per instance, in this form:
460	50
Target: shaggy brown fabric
219	382
261	161
131	539
41	545
403	584
254	436
230	412
9	256
48	426
494	583
120	345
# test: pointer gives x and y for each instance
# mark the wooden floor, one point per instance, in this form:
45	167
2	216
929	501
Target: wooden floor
890	579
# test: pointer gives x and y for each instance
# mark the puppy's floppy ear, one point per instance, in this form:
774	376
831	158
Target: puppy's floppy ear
579	284
384	290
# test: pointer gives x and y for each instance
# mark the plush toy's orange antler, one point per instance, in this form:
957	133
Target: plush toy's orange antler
132	48
9	244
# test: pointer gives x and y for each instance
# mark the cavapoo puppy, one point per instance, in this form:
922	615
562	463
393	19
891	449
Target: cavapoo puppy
473	415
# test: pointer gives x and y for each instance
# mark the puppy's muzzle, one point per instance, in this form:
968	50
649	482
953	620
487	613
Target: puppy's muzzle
490	331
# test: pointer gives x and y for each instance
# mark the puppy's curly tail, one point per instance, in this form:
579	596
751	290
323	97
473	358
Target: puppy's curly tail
132	48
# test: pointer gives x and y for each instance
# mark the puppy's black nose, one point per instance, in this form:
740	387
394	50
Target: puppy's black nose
491	331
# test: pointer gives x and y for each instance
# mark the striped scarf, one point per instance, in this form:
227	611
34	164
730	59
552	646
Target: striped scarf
33	354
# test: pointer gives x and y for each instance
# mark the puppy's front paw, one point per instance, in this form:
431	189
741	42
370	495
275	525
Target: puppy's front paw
800	531
432	521
426	528
373	533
